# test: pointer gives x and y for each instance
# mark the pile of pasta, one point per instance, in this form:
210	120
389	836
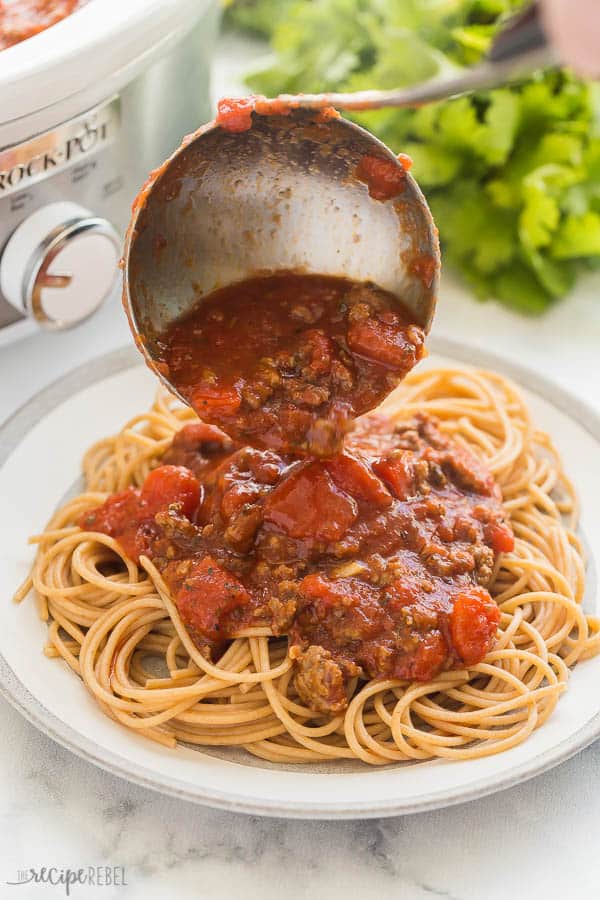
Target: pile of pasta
116	626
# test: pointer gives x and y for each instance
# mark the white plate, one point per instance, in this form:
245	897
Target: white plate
40	452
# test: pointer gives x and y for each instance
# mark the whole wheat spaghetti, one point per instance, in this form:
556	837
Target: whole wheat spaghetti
114	623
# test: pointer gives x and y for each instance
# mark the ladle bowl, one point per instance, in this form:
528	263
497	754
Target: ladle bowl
283	195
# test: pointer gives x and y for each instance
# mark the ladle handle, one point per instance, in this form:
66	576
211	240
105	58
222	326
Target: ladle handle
519	49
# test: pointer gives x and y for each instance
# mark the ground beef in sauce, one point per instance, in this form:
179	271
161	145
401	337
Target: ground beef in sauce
321	680
375	562
286	362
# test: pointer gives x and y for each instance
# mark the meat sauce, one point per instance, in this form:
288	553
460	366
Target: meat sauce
21	19
286	362
374	562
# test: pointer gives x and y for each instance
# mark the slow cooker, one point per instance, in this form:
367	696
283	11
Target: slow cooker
88	108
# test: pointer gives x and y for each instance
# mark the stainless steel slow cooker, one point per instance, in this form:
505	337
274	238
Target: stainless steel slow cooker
87	109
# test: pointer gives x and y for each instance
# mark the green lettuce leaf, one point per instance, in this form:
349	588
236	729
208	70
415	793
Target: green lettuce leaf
512	175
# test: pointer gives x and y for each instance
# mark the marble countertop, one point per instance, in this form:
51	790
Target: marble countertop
537	840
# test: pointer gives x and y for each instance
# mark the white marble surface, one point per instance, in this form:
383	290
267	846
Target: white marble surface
538	840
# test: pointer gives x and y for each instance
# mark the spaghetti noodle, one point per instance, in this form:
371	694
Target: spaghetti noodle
116	625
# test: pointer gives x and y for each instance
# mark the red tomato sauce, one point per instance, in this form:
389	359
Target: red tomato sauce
424	267
235	113
385	178
21	19
286	362
374	562
129	514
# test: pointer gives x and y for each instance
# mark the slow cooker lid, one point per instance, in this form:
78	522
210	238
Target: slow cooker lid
96	42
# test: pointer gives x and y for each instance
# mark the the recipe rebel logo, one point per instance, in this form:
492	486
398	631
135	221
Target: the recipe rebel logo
68	879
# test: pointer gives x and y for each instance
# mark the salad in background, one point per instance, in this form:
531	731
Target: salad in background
512	175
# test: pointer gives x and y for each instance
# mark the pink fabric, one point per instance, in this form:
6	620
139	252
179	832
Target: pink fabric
574	29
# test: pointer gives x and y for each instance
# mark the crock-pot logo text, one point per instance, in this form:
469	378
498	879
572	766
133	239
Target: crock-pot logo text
44	155
91	136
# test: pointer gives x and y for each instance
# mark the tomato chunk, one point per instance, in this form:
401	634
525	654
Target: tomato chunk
120	517
235	113
207	594
358	479
307	504
427	660
386	342
215	400
396	471
124	515
171	484
238	495
328	593
499	535
405	161
385	178
473	624
340	611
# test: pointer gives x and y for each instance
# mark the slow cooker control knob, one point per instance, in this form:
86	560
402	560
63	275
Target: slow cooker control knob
60	264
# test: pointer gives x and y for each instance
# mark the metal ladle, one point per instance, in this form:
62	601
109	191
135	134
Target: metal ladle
283	195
